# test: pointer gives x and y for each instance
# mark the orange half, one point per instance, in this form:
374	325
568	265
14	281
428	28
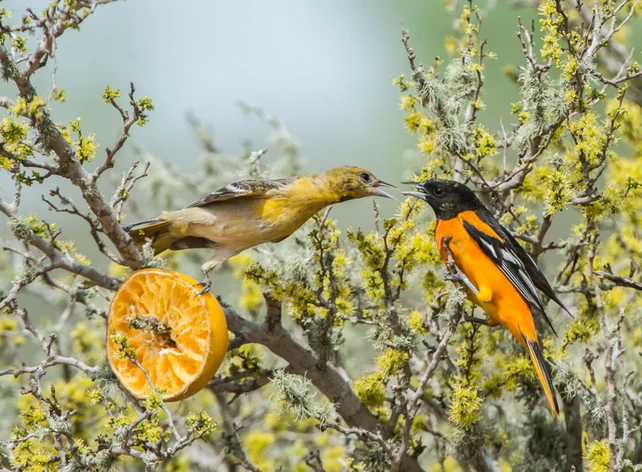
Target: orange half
178	337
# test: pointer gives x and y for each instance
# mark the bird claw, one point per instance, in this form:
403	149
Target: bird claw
453	278
458	276
207	283
473	319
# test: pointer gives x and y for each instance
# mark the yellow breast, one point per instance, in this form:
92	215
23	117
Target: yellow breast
284	216
294	206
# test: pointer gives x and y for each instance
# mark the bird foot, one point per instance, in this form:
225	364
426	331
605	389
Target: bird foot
474	319
207	283
459	277
453	278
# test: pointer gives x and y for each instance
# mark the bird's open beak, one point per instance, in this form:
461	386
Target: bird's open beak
376	190
419	186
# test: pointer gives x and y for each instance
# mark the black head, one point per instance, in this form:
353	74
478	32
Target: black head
446	197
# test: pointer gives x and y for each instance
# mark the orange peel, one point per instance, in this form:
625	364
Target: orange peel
176	335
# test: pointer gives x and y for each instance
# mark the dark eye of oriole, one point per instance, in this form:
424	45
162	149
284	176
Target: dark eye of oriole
438	191
365	176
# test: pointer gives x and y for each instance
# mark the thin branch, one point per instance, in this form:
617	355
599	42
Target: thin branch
137	115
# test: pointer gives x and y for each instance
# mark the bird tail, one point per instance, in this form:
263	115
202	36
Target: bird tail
542	372
157	230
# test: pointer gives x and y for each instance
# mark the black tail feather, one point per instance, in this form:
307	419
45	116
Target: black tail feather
544	376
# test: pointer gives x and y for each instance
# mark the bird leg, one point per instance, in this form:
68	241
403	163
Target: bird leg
221	255
207	283
454	274
458	276
474	319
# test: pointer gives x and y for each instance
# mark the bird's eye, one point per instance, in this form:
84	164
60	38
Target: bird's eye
365	176
438	191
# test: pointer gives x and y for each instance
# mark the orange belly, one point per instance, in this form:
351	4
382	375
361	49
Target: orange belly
499	298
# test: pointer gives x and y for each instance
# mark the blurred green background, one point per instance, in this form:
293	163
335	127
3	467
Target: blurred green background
323	68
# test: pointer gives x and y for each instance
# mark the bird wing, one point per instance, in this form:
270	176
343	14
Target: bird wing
244	188
536	275
503	250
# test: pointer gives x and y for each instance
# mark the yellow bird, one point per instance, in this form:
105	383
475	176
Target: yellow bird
251	212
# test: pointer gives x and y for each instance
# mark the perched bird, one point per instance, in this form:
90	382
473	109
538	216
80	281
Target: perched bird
500	275
251	212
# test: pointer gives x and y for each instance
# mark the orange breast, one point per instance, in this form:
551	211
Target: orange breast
506	305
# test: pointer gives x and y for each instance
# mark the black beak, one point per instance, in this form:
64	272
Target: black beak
421	194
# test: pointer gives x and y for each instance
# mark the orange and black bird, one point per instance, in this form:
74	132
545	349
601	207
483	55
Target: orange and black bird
500	276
